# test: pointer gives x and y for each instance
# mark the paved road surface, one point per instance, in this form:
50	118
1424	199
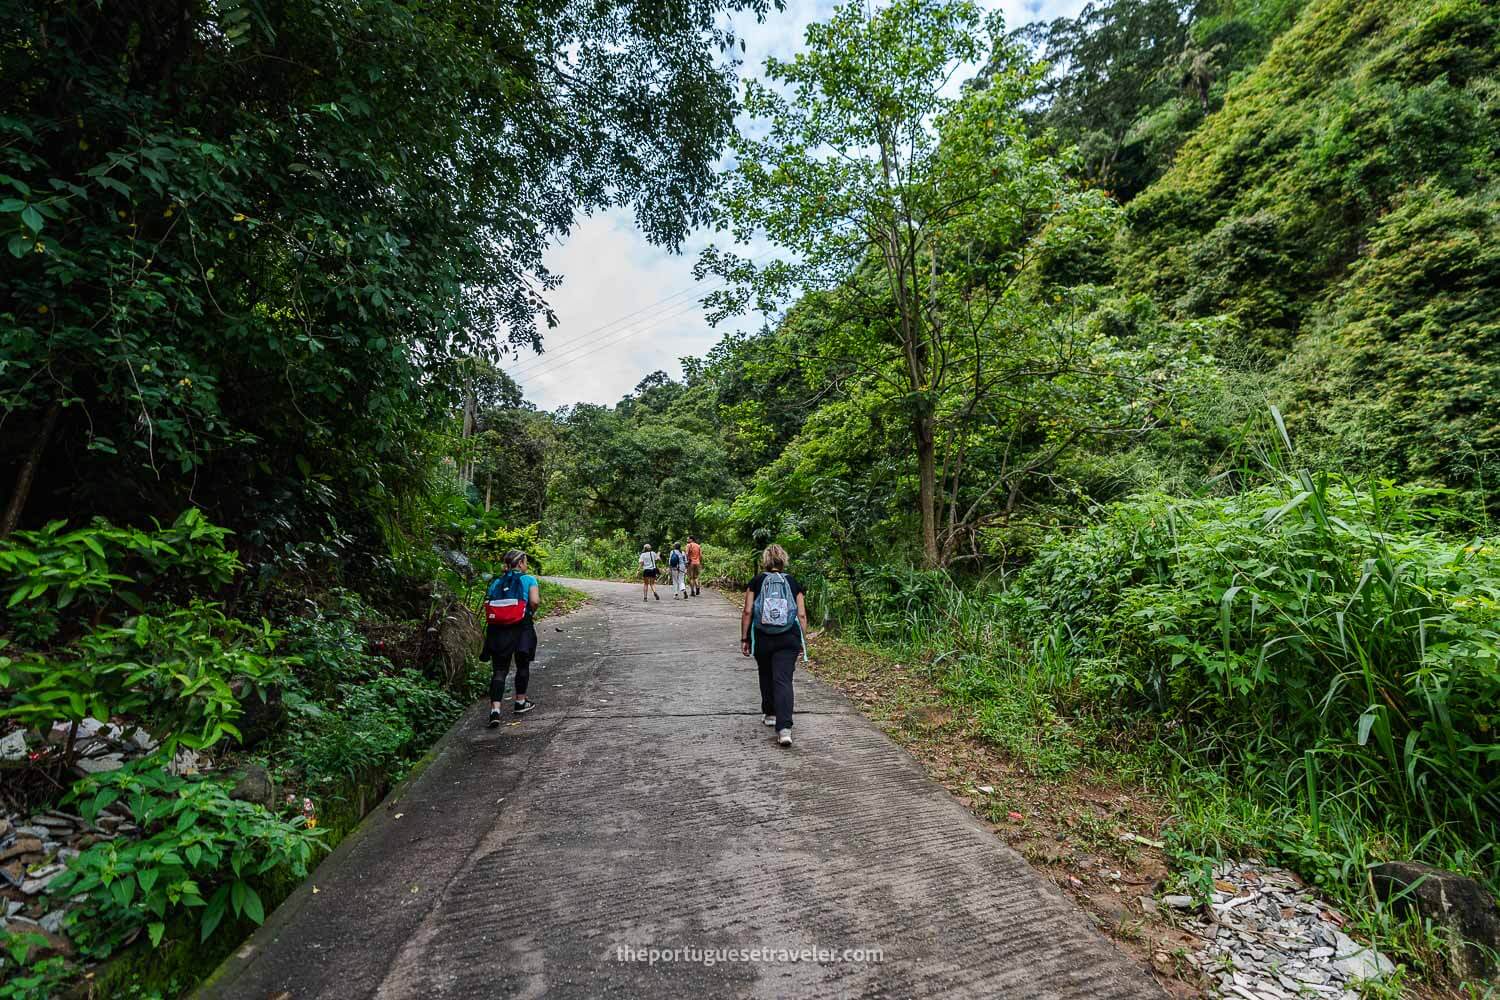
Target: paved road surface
644	805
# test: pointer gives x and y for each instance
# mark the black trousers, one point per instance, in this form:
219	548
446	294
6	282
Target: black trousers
776	658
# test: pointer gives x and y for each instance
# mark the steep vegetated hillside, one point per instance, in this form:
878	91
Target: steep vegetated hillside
1340	209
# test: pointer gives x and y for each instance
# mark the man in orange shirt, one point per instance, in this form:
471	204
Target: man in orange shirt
694	564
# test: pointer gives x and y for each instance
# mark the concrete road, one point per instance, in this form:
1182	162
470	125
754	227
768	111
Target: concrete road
643	806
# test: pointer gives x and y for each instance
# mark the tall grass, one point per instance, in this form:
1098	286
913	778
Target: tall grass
1313	666
1345	636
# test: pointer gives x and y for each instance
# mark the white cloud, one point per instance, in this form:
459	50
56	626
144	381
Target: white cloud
613	326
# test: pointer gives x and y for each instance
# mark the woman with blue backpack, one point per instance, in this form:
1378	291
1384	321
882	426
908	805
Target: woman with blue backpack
510	605
773	627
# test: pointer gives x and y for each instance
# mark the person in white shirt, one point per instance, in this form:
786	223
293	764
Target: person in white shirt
648	574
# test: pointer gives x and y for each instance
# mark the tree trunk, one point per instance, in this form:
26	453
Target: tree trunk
466	471
27	474
926	438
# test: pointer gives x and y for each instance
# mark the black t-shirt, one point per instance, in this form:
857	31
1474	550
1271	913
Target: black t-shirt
760	578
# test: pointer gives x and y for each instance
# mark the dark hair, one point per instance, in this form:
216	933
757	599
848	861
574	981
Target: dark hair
514	558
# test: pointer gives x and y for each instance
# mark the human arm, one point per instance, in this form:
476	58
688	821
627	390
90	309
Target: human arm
534	598
802	621
745	622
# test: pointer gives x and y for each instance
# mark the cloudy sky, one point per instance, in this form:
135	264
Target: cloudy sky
627	308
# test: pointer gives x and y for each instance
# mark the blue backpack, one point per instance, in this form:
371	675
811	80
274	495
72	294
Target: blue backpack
775	608
505	601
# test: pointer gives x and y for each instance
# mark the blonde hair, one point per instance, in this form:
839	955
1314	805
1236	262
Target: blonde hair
773	559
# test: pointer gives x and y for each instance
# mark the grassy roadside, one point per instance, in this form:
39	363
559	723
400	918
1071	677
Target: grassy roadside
559	599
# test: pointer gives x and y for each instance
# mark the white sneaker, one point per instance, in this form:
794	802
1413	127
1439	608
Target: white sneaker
770	720
784	737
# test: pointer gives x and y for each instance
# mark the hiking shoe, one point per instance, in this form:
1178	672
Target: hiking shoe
494	717
522	707
784	738
655	595
770	720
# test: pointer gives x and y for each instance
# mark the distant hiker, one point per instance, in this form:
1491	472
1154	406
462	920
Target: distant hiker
510	604
677	563
694	564
648	562
773	627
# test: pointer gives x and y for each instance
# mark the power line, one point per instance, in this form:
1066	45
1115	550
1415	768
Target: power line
621	319
532	373
549	361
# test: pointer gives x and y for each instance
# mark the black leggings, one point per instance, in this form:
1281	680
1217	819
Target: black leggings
501	667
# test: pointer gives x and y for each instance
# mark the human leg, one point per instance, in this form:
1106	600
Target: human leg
767	690
523	679
499	667
783	665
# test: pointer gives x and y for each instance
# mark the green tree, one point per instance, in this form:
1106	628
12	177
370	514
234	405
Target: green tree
245	239
920	207
1108	70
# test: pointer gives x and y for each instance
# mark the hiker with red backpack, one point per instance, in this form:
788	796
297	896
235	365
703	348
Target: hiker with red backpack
773	627
510	605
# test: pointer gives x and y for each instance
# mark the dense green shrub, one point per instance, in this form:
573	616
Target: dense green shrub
611	558
330	648
1340	211
359	715
199	850
1403	373
1348	629
183	673
97	633
55	579
372	727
